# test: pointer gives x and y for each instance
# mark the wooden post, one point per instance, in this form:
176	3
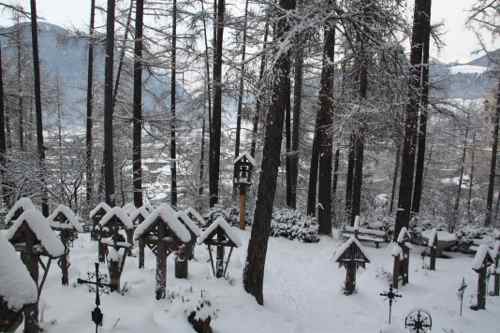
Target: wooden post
481	289
30	259
64	259
114	274
161	263
496	287
181	263
433	254
219	269
242	206
405	264
141	252
396	272
350	279
101	251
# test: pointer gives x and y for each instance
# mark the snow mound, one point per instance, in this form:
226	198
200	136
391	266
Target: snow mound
72	219
230	232
41	228
168	215
17	288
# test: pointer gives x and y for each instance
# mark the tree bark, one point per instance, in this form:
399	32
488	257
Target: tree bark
349	180
253	275
38	108
313	171
397	162
3	145
90	101
173	153
19	82
137	124
109	182
326	131
471	177
215	133
493	163
460	181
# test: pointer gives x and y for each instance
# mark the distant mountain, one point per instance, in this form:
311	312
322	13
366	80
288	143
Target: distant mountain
487	60
64	54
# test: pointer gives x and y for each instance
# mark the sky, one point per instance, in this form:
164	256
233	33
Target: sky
460	42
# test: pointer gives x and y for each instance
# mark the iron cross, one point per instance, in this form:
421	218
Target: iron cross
391	295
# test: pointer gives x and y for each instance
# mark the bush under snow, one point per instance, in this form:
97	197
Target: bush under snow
293	224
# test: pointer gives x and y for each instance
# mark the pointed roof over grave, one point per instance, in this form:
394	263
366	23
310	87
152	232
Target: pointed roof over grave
64	218
17	288
403	236
495	251
22	204
482	258
188	223
351	251
195	216
232	237
117	213
129	208
245	157
40	227
167	215
432	238
141	211
101	206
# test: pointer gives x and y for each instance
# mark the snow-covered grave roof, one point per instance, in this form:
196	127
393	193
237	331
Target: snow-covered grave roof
342	249
247	156
17	287
404	235
119	214
432	237
443	236
194	215
71	221
129	208
228	231
186	220
495	252
357	222
166	214
101	205
481	258
23	203
141	211
40	227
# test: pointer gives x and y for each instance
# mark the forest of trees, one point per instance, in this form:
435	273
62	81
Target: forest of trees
334	99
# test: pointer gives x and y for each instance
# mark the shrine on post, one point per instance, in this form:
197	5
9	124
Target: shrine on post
221	235
68	225
32	236
194	231
115	223
401	254
95	216
21	205
351	255
243	167
17	289
482	261
163	233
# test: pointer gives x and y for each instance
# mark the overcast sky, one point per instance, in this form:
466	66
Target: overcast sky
460	42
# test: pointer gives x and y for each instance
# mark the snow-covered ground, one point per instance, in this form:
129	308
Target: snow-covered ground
303	293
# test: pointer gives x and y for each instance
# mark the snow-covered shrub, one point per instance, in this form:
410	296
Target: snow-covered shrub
231	215
293	224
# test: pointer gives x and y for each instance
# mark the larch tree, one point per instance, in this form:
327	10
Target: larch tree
173	154
137	101
90	106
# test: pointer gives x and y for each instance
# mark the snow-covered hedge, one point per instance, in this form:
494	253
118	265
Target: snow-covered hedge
231	215
293	224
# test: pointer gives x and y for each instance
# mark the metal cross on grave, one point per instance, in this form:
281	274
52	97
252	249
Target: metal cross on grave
391	295
460	293
418	321
97	315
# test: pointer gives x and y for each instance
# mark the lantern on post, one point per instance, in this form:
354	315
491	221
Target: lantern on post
32	237
15	211
401	254
243	166
68	225
95	216
163	233
351	255
17	289
221	235
482	261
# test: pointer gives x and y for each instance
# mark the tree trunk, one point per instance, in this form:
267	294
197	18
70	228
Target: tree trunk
19	82
336	164
3	146
38	107
253	275
493	163
137	125
258	104
109	182
215	133
349	180
471	178
424	101
460	181
240	99
313	171
173	157
326	131
90	101
397	162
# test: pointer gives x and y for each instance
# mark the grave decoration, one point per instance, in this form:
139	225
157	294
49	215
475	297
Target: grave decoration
17	289
401	254
115	243
482	261
194	231
351	255
163	233
243	166
391	295
32	236
95	216
460	294
418	321
96	314
195	216
495	255
21	205
68	225
220	235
